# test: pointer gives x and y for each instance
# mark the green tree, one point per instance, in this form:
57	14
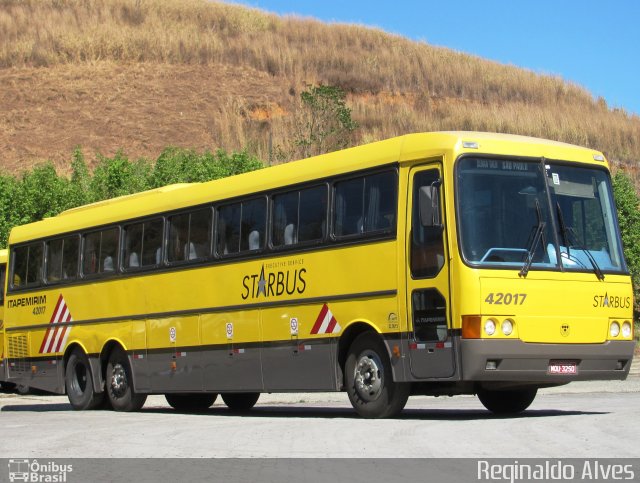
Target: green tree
176	165
118	176
80	189
9	209
324	122
42	193
628	204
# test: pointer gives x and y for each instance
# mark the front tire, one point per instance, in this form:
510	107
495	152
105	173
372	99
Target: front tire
191	401
512	401
120	383
240	402
372	391
78	381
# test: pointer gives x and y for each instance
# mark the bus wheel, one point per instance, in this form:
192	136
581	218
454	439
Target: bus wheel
119	383
507	402
240	402
78	381
23	389
191	401
369	382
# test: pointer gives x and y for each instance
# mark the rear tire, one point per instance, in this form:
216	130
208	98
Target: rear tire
78	381
369	381
120	383
240	402
512	401
23	389
191	401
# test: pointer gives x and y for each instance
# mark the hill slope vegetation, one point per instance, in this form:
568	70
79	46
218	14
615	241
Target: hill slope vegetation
140	75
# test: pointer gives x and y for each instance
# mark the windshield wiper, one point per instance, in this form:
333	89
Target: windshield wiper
535	241
569	236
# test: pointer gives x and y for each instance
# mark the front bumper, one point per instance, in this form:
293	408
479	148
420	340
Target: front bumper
518	361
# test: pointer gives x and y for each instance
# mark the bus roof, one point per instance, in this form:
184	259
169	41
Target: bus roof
402	149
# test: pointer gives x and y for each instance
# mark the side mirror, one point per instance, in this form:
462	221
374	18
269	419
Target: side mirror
429	200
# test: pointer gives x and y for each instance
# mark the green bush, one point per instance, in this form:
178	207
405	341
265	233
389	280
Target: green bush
41	192
628	204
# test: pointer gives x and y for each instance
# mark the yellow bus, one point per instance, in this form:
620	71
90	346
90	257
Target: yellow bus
435	264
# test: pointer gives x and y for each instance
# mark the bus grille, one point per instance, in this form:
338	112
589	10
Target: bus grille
18	352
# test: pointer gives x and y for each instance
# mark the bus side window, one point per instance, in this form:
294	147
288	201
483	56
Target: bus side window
34	270
90	253
100	251
228	241
20	257
108	250
380	202
285	219
62	259
70	252
366	204
27	265
3	274
54	260
178	237
312	214
349	207
254	223
200	223
152	242
143	244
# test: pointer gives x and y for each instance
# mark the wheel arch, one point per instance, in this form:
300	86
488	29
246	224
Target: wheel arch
94	364
106	352
347	337
70	348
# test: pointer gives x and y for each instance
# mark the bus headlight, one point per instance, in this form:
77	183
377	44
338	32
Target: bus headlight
614	329
490	327
626	329
507	327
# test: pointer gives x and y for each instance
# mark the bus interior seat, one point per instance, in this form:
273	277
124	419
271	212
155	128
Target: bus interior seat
190	252
134	260
108	264
290	237
254	240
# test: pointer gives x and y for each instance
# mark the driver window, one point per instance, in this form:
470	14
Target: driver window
427	246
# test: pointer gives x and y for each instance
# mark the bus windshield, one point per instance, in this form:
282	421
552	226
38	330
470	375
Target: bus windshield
537	215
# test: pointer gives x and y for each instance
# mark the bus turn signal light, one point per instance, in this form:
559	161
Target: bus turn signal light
471	326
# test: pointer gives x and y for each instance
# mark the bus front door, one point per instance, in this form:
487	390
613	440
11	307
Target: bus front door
430	342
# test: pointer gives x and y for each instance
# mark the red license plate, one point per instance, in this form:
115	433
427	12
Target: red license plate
562	368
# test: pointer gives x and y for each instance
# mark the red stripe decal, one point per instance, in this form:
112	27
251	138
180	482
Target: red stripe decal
63	333
320	319
332	325
53	316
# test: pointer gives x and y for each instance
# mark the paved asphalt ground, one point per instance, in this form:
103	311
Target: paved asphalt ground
582	419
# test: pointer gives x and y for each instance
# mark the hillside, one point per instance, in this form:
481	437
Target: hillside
140	75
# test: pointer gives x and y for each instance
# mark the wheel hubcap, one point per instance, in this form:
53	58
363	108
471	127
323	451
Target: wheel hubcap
118	381
369	376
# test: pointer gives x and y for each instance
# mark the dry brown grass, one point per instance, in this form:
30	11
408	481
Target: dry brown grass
116	73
